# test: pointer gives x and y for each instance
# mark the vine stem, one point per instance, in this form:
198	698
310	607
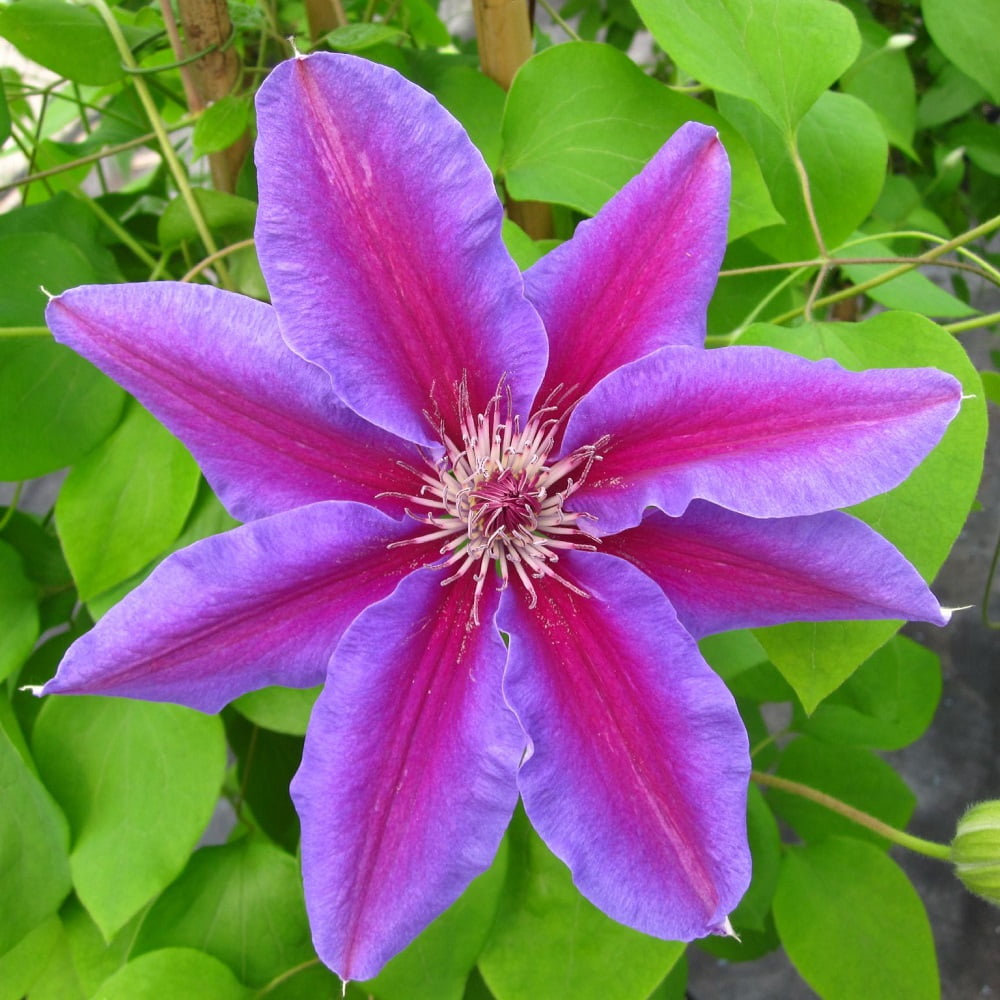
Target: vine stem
972	324
930	848
169	154
928	257
218	255
101	154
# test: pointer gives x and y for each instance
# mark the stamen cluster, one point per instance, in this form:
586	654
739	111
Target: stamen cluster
496	499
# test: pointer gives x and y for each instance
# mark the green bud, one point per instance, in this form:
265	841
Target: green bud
975	851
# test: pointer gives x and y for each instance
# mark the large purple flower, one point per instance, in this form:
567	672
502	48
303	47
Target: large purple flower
432	454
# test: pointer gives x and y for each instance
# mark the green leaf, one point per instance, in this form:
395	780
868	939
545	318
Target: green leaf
991	386
70	40
882	78
33	261
358	37
921	517
966	33
886	704
173	972
91	958
780	54
34	868
854	776
477	102
437	964
138	782
950	95
69	219
852	924
223	212
581	120
549	943
282	710
207	517
265	764
21	967
520	245
54	407
18	612
242	904
220	125
911	291
423	24
981	142
844	150
125	502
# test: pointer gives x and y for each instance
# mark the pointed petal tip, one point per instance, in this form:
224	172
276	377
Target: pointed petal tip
948	612
38	690
725	929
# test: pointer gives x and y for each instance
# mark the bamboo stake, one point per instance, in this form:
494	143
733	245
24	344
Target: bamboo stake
206	23
324	16
503	28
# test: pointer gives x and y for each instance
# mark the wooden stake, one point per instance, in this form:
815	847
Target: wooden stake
324	16
206	23
503	29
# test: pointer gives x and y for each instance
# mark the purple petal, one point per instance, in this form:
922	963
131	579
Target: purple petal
753	429
639	275
638	773
265	603
379	236
408	777
263	424
724	571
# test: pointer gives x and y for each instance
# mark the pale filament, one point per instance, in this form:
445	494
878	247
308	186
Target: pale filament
494	501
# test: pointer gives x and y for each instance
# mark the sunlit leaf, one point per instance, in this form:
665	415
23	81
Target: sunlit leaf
125	502
138	782
583	119
780	54
543	919
966	33
852	924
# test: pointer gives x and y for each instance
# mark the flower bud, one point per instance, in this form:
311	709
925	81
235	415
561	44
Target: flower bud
975	851
895	43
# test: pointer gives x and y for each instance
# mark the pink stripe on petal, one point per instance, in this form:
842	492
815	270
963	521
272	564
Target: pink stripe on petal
263	424
379	236
265	603
408	780
639	275
725	571
638	771
753	429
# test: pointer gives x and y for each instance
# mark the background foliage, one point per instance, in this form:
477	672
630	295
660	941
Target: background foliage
865	149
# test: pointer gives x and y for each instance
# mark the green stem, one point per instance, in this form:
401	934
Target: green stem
286	975
9	513
119	230
930	848
554	14
972	324
24	331
927	257
169	154
122	147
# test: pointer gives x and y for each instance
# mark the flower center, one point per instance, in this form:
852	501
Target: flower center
498	499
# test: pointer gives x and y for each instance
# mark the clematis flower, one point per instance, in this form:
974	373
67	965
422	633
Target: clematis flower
494	512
